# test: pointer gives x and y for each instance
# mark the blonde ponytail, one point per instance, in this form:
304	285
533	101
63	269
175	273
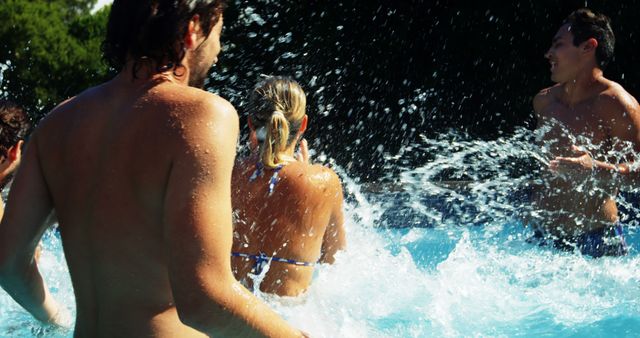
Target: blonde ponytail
277	106
276	140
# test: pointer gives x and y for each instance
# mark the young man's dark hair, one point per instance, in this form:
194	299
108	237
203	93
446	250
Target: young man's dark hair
586	24
14	125
154	30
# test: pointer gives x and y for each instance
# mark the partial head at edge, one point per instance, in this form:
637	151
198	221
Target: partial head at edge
14	125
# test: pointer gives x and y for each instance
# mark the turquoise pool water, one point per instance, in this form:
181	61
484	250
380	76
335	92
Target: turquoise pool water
482	281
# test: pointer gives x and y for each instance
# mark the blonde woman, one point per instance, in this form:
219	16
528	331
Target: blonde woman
288	212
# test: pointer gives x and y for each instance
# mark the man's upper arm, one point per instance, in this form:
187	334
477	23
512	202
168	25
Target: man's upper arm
197	208
198	230
624	119
28	207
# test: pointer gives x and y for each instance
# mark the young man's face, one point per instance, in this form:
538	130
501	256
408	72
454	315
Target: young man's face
205	56
563	56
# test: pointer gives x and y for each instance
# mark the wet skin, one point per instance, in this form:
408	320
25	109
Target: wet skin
301	220
585	103
138	172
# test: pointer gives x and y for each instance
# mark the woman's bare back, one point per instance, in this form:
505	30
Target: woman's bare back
292	222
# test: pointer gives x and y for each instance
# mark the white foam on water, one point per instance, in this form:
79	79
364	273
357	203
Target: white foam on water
363	293
17	322
377	288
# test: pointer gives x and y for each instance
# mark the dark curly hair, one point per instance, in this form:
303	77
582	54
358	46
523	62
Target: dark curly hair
586	24
14	125
153	30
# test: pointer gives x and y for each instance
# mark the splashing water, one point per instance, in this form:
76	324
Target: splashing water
431	258
439	248
3	68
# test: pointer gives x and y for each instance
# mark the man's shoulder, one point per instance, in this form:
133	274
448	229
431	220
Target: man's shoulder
615	99
544	98
78	104
61	114
200	104
182	110
197	124
619	110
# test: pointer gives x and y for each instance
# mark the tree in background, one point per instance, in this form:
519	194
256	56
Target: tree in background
50	51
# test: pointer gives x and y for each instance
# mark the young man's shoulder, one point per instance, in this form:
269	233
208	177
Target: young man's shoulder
74	103
201	120
59	116
197	102
545	97
615	106
619	111
614	98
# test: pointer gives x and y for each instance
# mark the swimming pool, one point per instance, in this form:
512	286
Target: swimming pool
438	260
432	282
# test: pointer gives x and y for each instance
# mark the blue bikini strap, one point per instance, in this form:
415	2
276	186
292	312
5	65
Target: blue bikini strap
274	178
263	258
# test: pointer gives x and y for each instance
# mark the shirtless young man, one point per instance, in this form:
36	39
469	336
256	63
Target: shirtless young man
580	198
138	171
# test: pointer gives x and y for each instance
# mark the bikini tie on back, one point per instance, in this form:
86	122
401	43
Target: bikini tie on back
274	178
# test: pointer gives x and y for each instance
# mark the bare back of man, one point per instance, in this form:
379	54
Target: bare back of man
138	171
109	192
140	257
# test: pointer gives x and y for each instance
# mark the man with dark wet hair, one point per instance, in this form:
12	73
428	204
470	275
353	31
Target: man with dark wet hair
14	125
594	138
138	172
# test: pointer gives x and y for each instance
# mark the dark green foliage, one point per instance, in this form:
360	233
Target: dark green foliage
52	49
79	6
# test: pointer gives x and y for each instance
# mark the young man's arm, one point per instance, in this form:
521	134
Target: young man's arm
625	126
198	231
20	231
334	238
